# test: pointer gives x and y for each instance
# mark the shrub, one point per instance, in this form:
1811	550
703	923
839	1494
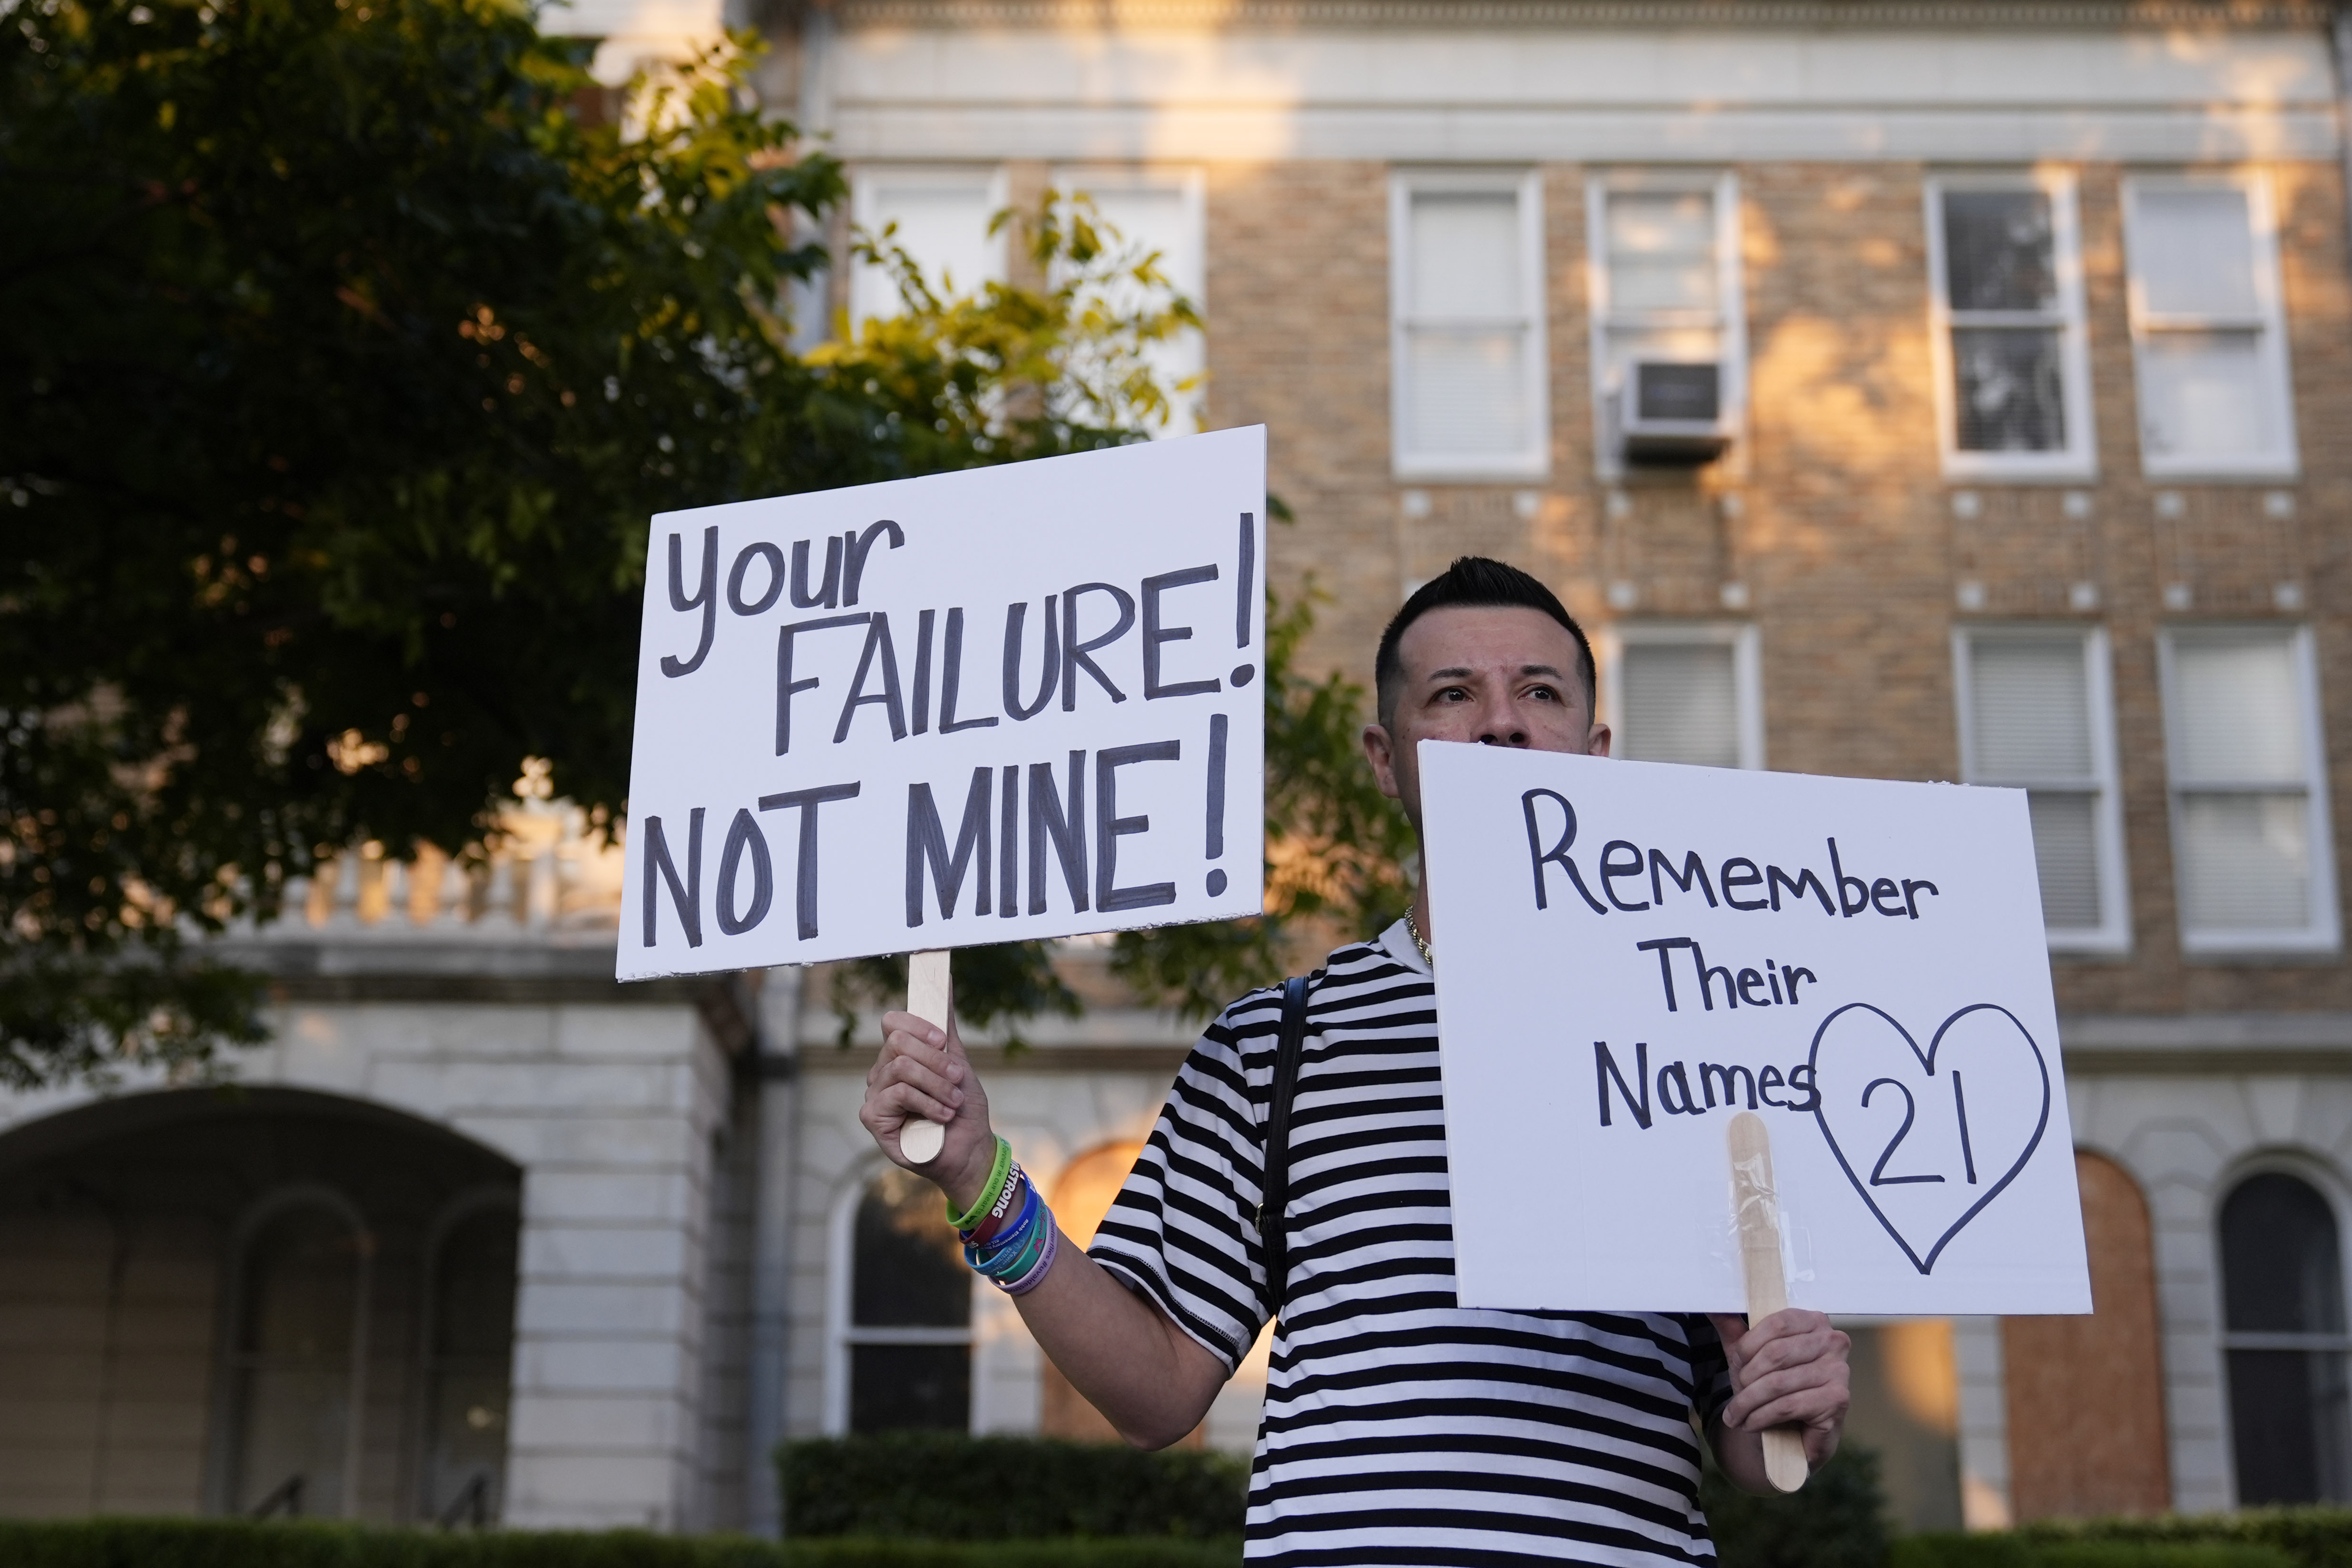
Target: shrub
944	1486
1837	1519
2047	1551
237	1544
2308	1537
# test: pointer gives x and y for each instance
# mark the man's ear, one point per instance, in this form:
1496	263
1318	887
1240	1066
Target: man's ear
1380	752
1599	745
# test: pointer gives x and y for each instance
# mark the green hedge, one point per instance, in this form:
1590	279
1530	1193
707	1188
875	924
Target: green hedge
2034	1551
948	1486
2308	1537
235	1544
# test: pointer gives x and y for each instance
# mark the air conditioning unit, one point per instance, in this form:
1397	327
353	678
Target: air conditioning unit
1672	412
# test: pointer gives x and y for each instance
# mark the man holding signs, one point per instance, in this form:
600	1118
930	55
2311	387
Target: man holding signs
1400	1426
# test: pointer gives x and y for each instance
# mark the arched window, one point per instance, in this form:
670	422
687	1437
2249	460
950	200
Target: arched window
907	1336
294	1353
2283	1294
468	1345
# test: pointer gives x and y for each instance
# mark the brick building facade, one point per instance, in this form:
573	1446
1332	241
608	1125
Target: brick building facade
2021	459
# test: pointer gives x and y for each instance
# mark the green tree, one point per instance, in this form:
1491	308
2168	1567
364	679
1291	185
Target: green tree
342	367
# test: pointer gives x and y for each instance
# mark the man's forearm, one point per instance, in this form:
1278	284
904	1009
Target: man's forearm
1146	1376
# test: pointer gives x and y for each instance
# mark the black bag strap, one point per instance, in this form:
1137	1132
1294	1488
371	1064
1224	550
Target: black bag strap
1273	1206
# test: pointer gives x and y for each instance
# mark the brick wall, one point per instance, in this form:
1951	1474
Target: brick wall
1835	515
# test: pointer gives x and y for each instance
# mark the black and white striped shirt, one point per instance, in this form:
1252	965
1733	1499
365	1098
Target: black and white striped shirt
1400	1428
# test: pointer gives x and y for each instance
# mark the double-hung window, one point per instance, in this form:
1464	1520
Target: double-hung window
2037	713
1466	326
2251	844
1157	213
2012	372
1664	279
2208	333
942	217
1682	693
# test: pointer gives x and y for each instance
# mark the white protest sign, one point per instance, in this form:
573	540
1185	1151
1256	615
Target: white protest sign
1629	953
1019	701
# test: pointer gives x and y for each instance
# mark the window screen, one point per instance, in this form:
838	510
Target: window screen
2031	722
910	1313
2240	782
1669	348
2283	1294
1680	703
1465	329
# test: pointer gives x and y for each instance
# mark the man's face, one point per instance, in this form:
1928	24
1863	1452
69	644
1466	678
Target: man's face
1497	675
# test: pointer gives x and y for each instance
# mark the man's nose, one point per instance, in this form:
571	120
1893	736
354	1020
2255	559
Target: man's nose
1499	725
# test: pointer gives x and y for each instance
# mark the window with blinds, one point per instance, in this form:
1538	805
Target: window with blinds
2248	799
2006	292
2208	333
942	218
2035	714
1465	297
1664	278
1684	694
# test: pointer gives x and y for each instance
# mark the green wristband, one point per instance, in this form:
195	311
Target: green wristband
988	1191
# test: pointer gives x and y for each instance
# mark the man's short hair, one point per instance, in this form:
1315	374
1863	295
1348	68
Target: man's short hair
1473	581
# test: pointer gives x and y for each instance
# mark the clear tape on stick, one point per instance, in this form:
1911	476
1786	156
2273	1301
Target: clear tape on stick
1756	1212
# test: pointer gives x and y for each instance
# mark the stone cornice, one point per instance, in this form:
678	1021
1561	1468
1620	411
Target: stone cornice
1291	16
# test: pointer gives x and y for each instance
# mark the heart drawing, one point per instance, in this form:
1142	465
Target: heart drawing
1928	1138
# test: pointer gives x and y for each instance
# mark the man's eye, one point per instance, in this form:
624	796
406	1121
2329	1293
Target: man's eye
1548	694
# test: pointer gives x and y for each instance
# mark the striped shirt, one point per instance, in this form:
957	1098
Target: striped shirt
1399	1428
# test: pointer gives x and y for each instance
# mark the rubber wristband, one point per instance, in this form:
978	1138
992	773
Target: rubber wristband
1003	1211
1036	1276
997	1173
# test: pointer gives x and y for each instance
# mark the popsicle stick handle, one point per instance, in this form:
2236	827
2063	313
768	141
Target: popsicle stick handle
1757	1208
927	998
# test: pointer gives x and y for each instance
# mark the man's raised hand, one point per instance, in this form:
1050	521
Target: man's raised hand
924	1073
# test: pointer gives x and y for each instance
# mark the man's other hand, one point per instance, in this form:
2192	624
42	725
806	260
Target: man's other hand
1788	1371
924	1074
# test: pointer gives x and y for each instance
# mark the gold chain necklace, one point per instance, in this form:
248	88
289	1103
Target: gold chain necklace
1415	931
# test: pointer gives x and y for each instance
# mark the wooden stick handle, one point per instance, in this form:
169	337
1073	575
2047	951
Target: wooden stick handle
927	988
1757	1208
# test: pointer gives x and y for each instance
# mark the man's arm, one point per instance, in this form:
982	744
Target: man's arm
1790	1369
1152	1381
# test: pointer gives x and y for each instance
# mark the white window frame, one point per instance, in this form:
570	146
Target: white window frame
1747	672
2103	783
2324	932
1728	321
1534	460
2269	322
2080	459
874	292
840	1333
1186	266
